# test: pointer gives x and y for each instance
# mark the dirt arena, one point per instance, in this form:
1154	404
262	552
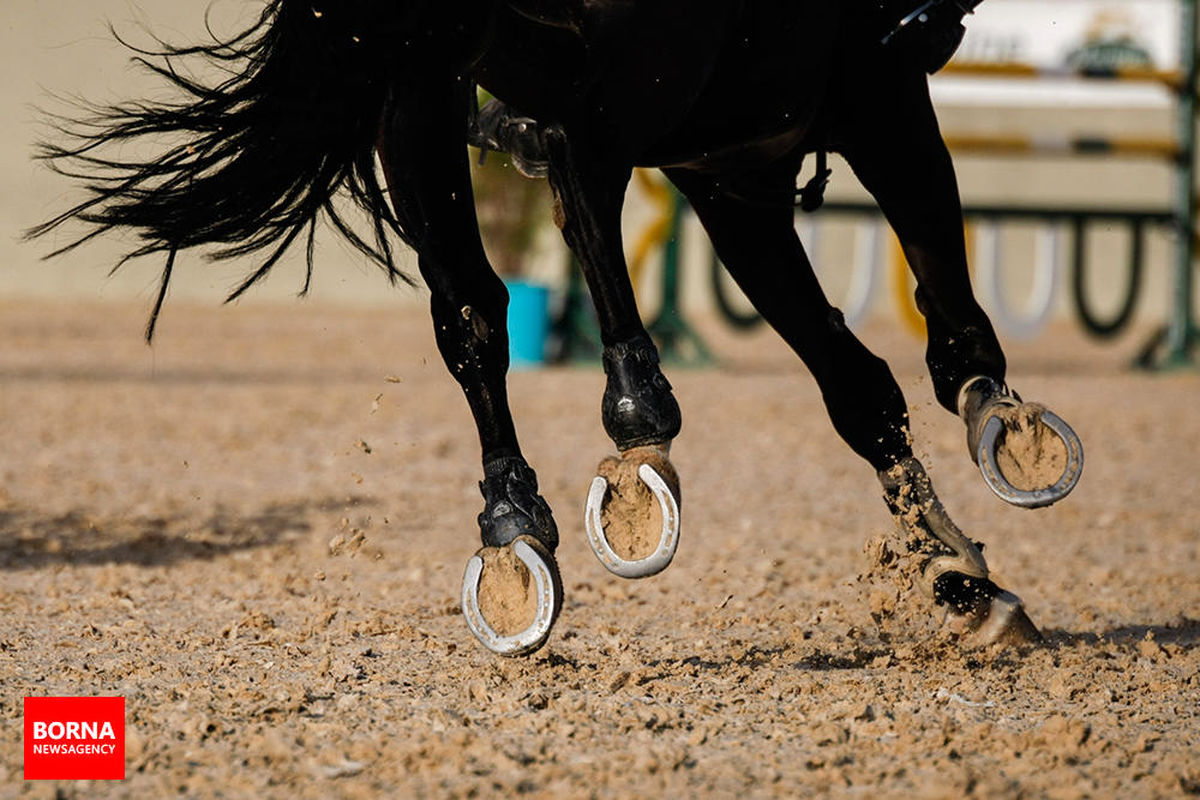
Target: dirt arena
256	530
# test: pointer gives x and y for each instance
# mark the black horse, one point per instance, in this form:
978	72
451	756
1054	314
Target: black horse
725	96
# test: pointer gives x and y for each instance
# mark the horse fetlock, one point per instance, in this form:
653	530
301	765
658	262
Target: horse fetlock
513	507
963	595
638	408
928	531
951	568
979	399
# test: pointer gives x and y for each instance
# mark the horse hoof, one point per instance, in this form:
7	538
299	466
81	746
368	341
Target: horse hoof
632	515
1002	621
1029	456
502	609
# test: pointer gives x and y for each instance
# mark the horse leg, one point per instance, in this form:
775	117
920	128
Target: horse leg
511	589
632	516
760	248
1027	455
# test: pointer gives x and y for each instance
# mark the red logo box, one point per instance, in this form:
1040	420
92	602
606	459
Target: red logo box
74	738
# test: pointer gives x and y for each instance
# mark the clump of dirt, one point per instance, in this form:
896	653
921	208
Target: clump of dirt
507	592
891	573
1030	455
631	516
908	506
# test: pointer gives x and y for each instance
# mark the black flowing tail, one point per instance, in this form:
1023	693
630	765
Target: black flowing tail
251	163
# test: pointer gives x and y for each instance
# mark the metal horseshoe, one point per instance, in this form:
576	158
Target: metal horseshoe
668	541
1037	498
549	597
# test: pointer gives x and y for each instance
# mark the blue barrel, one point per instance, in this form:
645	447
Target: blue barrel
528	323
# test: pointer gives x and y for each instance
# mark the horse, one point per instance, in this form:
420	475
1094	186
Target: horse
318	99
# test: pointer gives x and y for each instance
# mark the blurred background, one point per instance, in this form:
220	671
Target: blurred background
1014	137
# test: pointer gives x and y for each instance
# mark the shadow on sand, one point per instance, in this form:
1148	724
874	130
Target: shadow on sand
31	540
1182	631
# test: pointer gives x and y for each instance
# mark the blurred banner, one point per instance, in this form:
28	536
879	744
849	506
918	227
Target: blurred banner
1064	34
1056	33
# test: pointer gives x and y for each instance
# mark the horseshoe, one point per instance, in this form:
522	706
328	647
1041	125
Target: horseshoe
1036	498
668	541
548	585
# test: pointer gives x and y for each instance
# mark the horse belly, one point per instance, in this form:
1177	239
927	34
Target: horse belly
632	71
532	66
766	92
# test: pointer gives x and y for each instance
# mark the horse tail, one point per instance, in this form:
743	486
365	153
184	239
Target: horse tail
249	163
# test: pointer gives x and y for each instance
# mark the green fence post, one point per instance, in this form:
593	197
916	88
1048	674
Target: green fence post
677	340
1181	336
577	336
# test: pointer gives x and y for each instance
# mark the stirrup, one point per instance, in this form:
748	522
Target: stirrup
496	127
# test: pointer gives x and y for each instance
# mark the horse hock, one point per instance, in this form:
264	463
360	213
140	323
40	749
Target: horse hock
950	567
512	589
1027	454
633	508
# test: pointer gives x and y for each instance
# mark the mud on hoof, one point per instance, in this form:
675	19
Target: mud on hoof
926	529
948	567
1028	455
511	596
632	515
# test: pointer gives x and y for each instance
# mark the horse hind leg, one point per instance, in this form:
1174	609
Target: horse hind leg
632	514
1028	456
512	590
762	252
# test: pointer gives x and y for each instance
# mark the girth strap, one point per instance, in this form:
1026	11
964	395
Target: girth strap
812	196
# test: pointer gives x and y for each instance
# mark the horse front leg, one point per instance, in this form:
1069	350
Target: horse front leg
760	248
512	591
633	508
1028	456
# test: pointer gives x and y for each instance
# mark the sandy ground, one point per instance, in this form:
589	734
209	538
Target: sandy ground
255	532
